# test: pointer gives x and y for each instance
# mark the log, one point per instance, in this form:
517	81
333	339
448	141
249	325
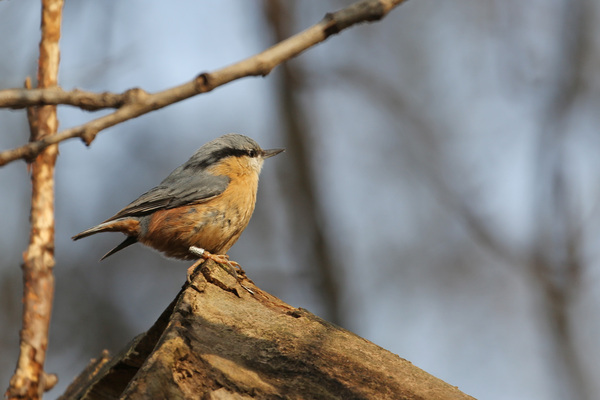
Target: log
217	340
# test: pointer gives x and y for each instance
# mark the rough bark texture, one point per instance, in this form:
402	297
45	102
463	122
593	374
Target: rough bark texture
30	380
218	341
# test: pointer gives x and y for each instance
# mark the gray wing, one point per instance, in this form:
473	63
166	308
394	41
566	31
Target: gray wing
180	188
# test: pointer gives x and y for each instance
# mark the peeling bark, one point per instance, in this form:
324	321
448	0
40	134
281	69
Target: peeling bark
218	341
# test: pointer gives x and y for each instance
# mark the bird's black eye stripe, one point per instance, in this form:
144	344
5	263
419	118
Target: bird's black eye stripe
220	154
231	152
228	152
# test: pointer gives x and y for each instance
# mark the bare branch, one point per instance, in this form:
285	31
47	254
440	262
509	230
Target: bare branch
20	98
29	380
136	102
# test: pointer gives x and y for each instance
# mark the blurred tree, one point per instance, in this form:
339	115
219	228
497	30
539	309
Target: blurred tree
300	189
453	162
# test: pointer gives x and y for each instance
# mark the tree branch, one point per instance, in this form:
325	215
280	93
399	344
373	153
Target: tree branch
29	380
20	98
136	102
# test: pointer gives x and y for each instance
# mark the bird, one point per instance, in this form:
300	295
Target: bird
200	209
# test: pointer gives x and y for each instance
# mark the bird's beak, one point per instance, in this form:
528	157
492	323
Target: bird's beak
271	153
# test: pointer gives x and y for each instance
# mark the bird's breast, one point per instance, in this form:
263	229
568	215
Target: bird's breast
214	225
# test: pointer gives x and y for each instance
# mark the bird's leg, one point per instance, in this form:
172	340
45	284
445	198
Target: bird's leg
221	259
218	258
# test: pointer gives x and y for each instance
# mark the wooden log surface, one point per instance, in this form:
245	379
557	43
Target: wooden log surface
218	341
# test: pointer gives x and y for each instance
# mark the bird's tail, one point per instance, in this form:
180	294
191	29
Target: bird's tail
127	225
125	243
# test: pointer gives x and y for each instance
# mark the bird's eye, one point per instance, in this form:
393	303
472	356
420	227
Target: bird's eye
252	153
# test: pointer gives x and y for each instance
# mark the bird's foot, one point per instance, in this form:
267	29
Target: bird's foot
221	259
218	258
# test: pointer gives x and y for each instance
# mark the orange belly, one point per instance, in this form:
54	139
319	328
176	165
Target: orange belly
214	226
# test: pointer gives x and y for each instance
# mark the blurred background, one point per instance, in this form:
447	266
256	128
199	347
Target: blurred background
439	195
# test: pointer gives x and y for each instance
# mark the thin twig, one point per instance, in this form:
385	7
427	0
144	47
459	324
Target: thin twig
136	102
29	380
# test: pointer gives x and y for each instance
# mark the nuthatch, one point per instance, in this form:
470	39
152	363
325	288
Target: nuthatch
205	203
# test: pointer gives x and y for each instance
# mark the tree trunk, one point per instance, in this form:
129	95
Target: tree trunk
219	341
